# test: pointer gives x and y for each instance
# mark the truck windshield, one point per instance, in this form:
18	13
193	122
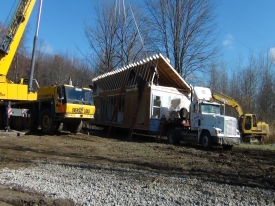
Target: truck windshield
79	95
210	108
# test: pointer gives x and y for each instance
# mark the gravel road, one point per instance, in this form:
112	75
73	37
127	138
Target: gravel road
106	185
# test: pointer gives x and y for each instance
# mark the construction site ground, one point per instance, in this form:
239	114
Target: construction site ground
242	166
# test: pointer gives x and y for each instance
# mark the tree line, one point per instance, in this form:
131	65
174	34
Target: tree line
251	85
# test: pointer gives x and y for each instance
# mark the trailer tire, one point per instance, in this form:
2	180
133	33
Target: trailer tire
172	137
17	123
48	126
183	113
28	123
206	140
75	127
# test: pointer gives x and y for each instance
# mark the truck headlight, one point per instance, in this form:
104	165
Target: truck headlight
218	131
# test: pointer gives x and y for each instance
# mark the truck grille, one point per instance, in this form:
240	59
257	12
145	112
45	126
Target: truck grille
230	127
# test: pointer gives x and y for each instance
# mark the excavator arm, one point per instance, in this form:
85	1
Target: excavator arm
229	101
251	130
11	40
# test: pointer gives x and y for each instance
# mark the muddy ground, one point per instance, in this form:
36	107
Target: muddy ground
245	167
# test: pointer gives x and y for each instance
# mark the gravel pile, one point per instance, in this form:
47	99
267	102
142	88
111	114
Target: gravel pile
96	185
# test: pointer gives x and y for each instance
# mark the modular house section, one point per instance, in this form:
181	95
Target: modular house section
117	94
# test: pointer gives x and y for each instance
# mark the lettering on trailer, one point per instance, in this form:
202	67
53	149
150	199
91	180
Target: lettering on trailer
81	110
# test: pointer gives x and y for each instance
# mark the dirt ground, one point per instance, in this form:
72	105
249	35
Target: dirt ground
245	167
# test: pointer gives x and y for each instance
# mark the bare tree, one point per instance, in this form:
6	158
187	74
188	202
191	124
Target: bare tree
219	79
250	84
266	90
115	37
184	31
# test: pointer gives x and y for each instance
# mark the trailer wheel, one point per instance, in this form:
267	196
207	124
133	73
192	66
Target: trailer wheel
183	113
75	126
17	122
48	126
172	137
206	141
28	123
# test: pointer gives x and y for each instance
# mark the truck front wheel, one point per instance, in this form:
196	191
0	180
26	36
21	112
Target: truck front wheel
206	141
48	126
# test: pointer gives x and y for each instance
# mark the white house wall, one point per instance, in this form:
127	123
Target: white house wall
171	102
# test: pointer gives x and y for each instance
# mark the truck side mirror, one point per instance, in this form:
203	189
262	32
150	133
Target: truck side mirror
195	107
60	93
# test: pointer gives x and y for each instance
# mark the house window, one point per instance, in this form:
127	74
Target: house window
156	106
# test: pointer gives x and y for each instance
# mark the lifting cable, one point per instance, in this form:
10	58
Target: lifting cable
138	30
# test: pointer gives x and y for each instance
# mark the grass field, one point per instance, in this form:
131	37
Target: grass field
257	146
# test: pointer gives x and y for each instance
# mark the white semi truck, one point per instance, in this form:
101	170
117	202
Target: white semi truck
203	123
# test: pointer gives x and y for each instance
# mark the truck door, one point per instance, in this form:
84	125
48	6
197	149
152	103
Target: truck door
59	99
195	115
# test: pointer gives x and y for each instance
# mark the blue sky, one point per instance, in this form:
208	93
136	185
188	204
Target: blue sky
244	26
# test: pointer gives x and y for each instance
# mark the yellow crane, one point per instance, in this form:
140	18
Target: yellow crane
251	130
48	107
8	48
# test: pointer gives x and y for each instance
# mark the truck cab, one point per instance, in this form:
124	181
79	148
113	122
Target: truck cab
64	104
212	127
204	124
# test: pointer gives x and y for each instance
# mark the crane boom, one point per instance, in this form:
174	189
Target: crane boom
229	101
9	44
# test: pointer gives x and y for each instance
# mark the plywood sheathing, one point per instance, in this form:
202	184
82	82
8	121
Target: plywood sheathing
130	100
167	74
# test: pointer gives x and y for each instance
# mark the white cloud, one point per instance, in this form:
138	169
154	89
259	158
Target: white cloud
48	49
45	47
228	42
271	54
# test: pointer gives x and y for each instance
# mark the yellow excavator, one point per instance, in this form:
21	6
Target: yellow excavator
251	130
47	108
